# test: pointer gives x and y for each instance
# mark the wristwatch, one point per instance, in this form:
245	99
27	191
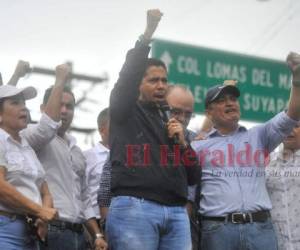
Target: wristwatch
99	236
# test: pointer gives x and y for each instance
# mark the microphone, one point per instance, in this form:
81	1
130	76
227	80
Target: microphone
165	112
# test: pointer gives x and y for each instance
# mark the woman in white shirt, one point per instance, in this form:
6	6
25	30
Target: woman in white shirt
23	189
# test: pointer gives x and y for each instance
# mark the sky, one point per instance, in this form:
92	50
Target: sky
95	35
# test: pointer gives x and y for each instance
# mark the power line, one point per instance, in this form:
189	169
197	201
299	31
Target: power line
272	29
275	32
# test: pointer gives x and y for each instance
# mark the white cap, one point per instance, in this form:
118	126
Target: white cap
10	90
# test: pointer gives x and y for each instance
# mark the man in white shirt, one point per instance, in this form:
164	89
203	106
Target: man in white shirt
96	157
65	167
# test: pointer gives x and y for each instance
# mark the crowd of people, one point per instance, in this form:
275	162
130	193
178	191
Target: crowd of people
150	183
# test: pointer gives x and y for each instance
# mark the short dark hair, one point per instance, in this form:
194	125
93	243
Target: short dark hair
154	62
67	89
103	117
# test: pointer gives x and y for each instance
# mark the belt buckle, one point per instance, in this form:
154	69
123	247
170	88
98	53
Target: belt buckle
63	226
250	217
237	222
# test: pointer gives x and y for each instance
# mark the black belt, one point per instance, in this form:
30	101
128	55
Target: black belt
13	215
241	218
63	225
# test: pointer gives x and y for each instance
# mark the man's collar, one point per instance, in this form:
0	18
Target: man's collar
8	137
101	148
214	132
69	139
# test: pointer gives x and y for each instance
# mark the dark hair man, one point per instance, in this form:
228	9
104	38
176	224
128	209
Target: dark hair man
149	183
96	157
65	168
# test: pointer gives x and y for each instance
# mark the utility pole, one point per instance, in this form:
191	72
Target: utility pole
73	76
91	80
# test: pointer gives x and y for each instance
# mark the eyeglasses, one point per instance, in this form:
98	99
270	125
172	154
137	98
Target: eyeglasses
180	112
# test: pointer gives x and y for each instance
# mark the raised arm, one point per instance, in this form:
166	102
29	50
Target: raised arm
52	108
126	91
42	133
293	61
21	70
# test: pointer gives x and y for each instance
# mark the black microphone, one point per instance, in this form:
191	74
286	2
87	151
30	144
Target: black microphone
166	111
166	116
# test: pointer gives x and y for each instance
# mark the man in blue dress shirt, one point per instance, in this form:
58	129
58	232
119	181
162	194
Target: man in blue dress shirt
235	204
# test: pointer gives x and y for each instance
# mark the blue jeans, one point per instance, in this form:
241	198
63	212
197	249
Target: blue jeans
14	235
228	236
65	240
138	224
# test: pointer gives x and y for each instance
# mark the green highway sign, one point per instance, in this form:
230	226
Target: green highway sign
264	83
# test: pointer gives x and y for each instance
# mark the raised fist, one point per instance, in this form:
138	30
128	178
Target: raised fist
22	68
153	18
63	72
293	61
